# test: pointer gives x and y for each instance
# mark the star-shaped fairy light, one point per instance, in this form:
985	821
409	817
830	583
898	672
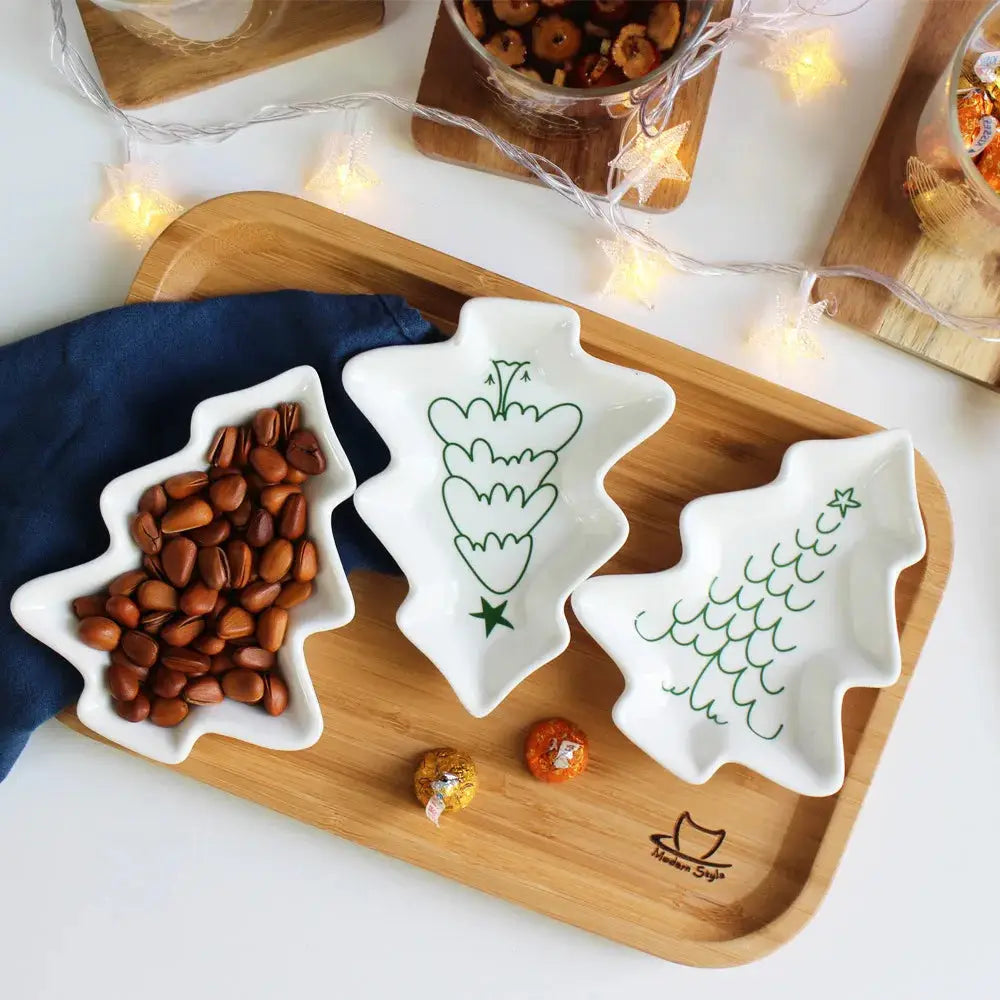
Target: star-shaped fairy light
635	273
741	652
136	207
806	59
490	477
646	161
843	500
791	335
343	175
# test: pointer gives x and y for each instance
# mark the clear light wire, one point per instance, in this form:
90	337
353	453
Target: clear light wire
72	66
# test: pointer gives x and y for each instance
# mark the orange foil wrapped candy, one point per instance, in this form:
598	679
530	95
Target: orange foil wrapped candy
989	165
972	106
555	750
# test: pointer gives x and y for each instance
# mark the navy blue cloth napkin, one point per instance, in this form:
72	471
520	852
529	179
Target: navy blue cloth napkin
83	403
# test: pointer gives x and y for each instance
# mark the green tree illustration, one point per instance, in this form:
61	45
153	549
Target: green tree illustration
499	456
729	640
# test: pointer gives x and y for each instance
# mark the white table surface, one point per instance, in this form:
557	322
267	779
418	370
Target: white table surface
119	879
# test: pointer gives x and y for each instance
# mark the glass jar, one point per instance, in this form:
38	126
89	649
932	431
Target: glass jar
190	26
540	108
958	209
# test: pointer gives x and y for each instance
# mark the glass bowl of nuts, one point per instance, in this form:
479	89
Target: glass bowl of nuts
221	562
562	67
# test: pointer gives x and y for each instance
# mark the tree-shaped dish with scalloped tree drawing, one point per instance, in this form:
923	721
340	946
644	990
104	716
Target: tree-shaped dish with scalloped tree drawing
493	502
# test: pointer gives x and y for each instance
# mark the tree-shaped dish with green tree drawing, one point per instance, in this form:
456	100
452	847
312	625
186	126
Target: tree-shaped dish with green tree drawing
493	502
498	458
735	638
783	600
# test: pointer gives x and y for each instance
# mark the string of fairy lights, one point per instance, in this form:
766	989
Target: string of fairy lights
137	206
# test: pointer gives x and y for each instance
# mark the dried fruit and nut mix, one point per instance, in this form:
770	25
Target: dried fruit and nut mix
572	43
225	558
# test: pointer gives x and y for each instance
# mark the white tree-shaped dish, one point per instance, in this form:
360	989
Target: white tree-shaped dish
42	606
493	503
783	599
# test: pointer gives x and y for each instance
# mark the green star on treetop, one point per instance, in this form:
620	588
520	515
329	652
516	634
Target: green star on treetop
491	616
844	500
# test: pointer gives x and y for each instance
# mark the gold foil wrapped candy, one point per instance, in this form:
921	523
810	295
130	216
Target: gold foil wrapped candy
972	107
445	781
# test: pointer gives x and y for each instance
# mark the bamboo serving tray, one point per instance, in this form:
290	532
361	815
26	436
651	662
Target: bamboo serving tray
879	228
711	875
450	83
138	74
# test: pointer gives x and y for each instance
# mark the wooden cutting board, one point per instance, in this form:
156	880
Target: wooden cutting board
878	227
581	852
450	83
138	74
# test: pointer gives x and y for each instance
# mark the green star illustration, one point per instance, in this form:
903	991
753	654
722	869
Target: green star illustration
844	500
491	616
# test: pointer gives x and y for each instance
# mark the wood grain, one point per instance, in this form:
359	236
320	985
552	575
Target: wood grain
579	852
450	83
138	74
878	227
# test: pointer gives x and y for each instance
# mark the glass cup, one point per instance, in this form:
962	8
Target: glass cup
539	108
958	208
194	25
